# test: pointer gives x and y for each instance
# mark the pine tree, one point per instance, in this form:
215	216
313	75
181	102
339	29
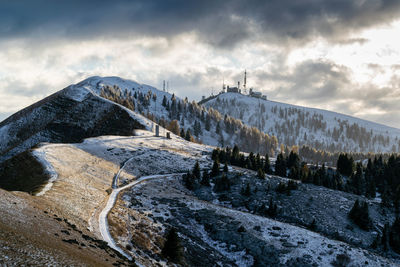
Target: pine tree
280	166
215	154
196	128
222	184
164	101
385	237
208	123
189	180
293	160
182	133
258	162
394	236
188	136
218	128
225	168
357	180
215	169
246	191
173	249
205	180
345	165
196	170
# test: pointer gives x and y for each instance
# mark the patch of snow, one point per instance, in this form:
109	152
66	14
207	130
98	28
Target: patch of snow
40	155
77	93
4	134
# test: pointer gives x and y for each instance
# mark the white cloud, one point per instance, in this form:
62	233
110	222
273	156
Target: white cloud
341	70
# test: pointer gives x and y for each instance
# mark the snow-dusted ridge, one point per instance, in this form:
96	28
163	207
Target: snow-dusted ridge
68	116
297	125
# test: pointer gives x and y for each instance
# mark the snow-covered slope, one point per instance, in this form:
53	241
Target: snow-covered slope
70	115
296	125
207	125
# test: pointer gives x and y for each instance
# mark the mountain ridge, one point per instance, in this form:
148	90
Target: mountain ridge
302	118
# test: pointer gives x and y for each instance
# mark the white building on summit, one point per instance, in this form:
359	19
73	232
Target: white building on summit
238	90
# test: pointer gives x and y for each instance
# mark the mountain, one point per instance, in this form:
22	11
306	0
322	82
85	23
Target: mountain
85	109
84	181
70	115
114	106
296	125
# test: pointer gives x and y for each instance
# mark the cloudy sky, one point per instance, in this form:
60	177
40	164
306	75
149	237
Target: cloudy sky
338	55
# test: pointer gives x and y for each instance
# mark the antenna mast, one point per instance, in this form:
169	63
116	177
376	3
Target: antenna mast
245	80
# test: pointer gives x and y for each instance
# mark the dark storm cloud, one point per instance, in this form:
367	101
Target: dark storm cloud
310	80
220	23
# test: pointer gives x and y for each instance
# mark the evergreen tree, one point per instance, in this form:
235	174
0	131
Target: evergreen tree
293	160
215	154
182	133
188	136
260	174
215	169
357	181
394	236
235	155
345	164
196	170
189	180
225	168
205	180
173	249
248	164
164	101
385	237
280	166
257	162
218	128
208	123
196	128
222	184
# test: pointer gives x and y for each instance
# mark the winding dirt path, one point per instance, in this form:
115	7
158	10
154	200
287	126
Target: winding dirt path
103	223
